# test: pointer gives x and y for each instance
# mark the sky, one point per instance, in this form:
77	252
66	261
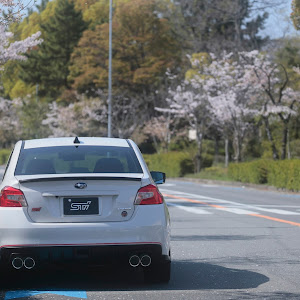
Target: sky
279	23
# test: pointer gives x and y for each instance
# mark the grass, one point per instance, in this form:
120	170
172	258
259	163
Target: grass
212	173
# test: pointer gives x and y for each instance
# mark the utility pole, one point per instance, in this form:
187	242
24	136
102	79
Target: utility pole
110	71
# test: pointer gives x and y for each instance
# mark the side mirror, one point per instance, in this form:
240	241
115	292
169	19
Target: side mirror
158	177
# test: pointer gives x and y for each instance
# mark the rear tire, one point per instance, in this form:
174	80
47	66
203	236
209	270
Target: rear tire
158	273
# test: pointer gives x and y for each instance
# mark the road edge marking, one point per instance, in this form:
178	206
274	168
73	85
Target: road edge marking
276	219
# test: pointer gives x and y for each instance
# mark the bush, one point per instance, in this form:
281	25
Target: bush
207	160
216	171
285	174
295	148
212	173
174	164
4	155
281	174
251	172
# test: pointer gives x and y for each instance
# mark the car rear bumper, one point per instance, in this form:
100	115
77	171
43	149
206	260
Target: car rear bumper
149	226
96	255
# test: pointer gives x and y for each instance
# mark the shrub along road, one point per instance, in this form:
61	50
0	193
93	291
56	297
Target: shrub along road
227	243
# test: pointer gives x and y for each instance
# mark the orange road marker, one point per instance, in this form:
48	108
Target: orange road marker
195	201
276	219
222	207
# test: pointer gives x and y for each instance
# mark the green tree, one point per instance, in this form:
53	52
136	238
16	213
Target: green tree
296	14
143	49
288	56
48	66
215	26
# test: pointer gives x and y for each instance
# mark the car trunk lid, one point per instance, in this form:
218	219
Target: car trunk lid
80	198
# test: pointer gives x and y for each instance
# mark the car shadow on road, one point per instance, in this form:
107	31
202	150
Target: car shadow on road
186	275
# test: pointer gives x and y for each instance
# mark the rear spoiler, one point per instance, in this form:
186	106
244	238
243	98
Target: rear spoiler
80	178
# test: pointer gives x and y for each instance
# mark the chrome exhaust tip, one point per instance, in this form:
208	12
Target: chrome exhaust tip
134	261
29	263
17	263
146	260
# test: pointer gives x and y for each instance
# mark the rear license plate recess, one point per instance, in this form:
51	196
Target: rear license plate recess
81	206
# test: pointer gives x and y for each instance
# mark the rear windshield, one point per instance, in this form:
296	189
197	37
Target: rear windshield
80	159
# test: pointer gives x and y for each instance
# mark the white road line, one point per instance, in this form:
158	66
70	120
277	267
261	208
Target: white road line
277	211
283	206
194	210
238	211
238	207
169	184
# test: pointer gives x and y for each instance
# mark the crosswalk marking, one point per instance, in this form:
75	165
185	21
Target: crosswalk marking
278	211
238	211
228	206
194	210
201	211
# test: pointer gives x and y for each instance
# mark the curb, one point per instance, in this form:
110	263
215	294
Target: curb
237	184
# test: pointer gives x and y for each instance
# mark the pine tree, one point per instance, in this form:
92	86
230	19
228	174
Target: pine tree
48	66
215	26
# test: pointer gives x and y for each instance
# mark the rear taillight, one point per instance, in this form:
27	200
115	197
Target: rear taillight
11	197
148	195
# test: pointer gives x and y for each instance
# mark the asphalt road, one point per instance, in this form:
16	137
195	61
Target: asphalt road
227	243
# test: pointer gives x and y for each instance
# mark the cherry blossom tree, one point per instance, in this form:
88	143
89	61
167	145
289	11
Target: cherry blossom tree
128	114
10	127
222	80
15	50
246	86
88	116
12	51
274	97
189	101
230	92
13	10
76	118
159	129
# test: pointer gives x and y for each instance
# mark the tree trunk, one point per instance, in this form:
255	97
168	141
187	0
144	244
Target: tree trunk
270	138
199	136
216	159
226	152
155	143
168	133
237	145
288	146
237	34
284	141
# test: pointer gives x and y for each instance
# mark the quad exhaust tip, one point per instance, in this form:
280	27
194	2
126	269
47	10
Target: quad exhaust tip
29	263
145	260
17	263
134	261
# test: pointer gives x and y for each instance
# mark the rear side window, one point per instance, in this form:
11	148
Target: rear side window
80	159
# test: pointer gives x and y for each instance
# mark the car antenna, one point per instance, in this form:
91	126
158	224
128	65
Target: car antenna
76	140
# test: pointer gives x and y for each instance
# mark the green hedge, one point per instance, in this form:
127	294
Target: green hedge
281	174
4	155
212	173
252	172
174	164
285	174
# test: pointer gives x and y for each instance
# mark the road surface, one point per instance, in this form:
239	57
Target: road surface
227	243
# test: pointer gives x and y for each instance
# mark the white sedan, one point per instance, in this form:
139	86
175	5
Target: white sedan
83	200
